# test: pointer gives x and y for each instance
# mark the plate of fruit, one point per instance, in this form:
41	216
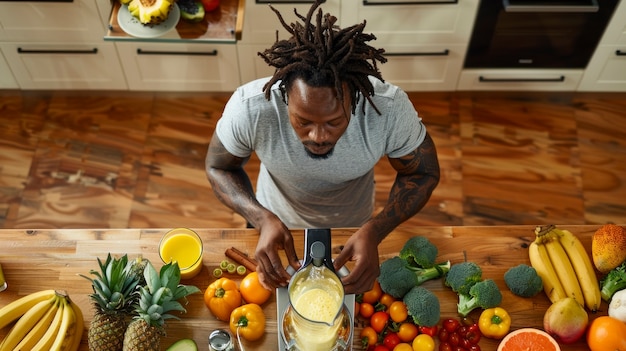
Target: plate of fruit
143	20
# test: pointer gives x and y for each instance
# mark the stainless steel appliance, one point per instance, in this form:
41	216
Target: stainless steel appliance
536	33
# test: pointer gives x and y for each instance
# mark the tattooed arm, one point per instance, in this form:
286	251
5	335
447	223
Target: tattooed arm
417	177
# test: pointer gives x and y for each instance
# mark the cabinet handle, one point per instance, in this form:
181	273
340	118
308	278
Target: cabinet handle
445	52
620	53
509	80
23	51
198	53
408	2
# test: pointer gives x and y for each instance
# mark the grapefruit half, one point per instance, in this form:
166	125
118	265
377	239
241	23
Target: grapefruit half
526	339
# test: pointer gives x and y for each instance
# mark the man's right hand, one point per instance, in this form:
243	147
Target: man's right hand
274	236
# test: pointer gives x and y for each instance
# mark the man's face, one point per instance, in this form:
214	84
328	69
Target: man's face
318	117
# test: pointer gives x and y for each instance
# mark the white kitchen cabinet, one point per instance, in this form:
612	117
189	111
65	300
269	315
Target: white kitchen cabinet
179	67
607	68
59	45
260	25
425	41
6	76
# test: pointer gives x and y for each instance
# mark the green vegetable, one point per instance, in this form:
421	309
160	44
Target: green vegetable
418	251
423	306
614	281
397	276
462	276
523	280
484	294
183	345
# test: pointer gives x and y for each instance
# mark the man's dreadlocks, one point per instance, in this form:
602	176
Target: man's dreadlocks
324	55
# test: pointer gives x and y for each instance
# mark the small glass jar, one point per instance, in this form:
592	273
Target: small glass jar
221	340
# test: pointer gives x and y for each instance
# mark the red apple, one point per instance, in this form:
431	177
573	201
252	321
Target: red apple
210	5
566	320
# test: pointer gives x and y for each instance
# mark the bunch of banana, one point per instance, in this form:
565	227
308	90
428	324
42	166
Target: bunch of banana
564	266
45	320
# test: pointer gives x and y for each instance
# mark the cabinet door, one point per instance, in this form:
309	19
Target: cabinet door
418	21
180	67
606	70
423	67
6	77
260	23
251	65
78	20
65	66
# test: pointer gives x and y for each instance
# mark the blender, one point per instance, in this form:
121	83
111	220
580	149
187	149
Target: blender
314	314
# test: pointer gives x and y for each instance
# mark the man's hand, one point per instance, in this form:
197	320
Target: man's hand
362	248
274	236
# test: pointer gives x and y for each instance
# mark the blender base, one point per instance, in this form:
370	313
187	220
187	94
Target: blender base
282	302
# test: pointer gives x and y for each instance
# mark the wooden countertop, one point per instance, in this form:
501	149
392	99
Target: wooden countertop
34	260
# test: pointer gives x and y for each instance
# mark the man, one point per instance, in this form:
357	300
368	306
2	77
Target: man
319	125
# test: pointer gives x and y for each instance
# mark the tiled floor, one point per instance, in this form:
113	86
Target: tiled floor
125	159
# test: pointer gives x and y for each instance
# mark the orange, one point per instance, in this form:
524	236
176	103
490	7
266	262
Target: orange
527	339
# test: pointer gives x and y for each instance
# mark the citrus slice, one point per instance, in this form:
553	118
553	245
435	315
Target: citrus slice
526	339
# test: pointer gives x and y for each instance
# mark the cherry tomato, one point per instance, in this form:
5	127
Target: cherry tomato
379	321
357	308
373	295
424	342
368	336
398	311
432	331
366	310
403	346
444	346
386	300
407	331
451	324
381	348
391	340
472	334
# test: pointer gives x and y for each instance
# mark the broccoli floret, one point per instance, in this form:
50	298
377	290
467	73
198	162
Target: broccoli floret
423	306
397	276
418	251
614	281
484	294
462	276
523	280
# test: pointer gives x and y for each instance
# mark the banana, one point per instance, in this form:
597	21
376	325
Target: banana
48	338
67	322
540	261
19	307
79	327
562	265
39	329
583	267
26	323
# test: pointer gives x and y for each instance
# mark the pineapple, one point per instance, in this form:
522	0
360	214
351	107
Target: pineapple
157	299
113	301
138	266
150	12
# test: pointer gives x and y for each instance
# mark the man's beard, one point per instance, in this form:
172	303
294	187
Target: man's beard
319	156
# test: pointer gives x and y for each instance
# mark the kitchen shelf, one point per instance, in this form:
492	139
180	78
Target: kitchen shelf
223	25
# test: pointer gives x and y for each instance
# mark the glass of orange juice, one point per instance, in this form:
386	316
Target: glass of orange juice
184	246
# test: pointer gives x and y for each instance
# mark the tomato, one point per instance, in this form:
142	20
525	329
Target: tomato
606	334
432	331
210	5
451	324
386	300
472	334
398	311
444	346
373	295
222	297
403	346
357	308
252	291
391	340
381	348
249	319
368	336
379	320
424	342
407	331
367	310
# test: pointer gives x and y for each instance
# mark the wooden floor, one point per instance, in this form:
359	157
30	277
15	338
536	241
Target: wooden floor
116	160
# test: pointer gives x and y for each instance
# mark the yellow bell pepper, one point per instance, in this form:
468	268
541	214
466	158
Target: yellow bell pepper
249	319
494	322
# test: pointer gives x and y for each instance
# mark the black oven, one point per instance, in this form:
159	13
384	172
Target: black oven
536	33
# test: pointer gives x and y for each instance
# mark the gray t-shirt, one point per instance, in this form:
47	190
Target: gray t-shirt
318	193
